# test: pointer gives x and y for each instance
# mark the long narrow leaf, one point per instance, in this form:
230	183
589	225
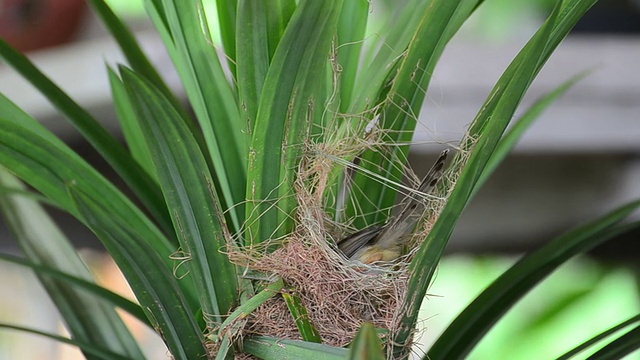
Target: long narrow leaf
45	244
250	305
213	101
511	137
351	29
279	13
116	300
106	145
225	348
129	45
366	345
129	124
269	348
477	318
260	27
13	113
252	55
399	32
90	348
619	348
154	285
292	99
134	54
51	166
498	108
158	14
307	331
400	108
569	12
227	10
188	190
591	342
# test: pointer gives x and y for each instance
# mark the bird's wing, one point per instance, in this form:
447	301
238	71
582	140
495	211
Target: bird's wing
354	242
406	220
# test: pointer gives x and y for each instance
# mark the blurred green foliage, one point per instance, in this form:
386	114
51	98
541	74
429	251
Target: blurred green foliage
582	298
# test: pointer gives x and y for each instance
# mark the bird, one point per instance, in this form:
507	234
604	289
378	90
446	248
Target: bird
383	243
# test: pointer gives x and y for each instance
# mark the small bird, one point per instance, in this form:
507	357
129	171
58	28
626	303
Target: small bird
384	242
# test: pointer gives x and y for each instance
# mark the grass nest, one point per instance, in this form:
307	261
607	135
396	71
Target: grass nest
338	294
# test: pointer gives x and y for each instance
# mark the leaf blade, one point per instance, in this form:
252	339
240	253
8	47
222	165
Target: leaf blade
129	45
578	349
620	347
108	147
398	105
366	344
307	331
509	140
257	36
212	99
482	313
188	192
117	300
153	284
87	347
45	244
292	95
270	348
499	108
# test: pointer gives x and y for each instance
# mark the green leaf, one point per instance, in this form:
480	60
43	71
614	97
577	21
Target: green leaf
227	10
511	137
366	345
89	348
248	306
158	15
396	36
351	29
27	194
598	338
13	113
116	300
398	32
619	348
564	17
253	55
307	331
400	108
50	166
188	191
261	25
153	284
292	99
269	348
278	14
213	101
487	129
106	145
225	348
129	125
88	319
477	318
129	45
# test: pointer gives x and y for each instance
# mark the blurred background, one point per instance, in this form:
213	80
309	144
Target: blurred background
578	161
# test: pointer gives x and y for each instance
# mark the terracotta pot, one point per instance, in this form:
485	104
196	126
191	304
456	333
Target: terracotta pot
35	24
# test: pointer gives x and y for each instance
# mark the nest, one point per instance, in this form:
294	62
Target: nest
338	294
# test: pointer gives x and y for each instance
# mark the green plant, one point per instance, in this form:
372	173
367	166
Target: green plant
231	192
